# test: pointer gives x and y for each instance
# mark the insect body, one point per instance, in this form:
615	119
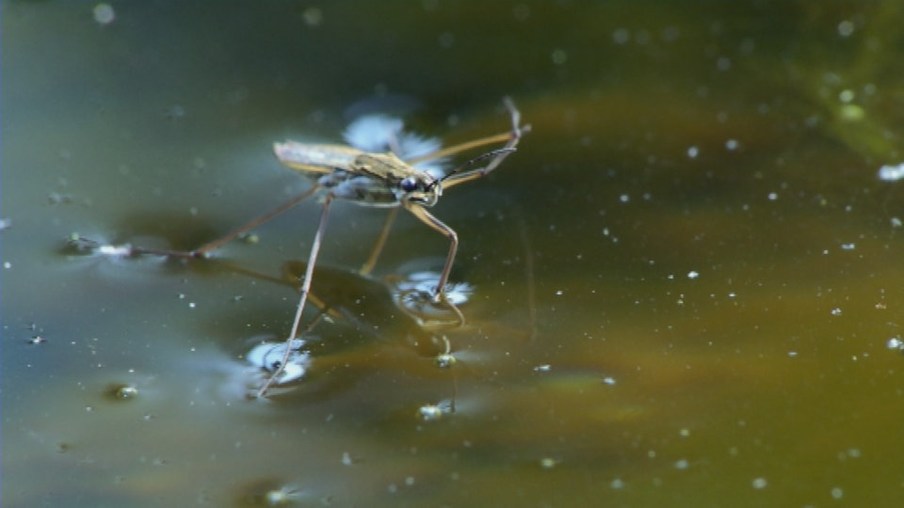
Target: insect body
385	180
370	179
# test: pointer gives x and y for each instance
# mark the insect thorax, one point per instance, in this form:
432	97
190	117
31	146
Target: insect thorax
382	180
361	189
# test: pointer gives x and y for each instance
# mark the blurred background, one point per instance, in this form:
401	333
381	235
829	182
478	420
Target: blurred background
687	283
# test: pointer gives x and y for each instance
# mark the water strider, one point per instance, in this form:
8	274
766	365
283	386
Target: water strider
387	179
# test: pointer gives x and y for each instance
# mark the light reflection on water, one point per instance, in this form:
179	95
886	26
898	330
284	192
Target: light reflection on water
592	364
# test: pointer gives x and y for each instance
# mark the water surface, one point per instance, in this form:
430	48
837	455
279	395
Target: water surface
685	282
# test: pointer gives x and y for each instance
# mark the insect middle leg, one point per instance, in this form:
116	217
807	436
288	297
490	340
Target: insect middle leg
305	290
205	249
377	249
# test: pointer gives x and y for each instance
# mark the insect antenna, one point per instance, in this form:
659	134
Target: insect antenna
463	169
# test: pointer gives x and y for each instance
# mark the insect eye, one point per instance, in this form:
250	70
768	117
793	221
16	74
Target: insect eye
408	184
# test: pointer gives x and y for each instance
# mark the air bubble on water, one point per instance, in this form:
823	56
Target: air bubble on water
895	343
846	28
548	462
104	14
693	152
890	173
836	311
759	483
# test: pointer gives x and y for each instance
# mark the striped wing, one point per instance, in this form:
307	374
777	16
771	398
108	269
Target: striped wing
315	158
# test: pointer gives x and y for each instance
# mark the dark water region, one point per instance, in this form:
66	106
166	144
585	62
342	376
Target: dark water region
685	287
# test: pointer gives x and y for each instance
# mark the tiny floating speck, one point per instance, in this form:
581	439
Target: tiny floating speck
282	496
104	14
122	392
548	462
433	412
891	173
445	360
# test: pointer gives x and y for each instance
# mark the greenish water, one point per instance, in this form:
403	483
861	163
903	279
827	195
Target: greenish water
685	281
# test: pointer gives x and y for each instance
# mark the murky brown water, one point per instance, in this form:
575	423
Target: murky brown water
685	282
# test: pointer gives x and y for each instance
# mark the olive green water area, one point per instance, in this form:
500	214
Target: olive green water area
687	283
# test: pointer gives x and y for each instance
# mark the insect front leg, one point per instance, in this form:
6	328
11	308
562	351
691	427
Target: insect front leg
421	213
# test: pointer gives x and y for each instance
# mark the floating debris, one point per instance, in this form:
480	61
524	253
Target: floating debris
283	496
433	412
270	492
895	343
